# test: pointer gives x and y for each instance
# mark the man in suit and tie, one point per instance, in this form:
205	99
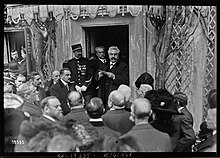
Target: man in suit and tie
97	62
62	88
47	85
112	75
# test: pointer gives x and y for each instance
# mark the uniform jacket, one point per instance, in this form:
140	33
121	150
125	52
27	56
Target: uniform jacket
149	139
118	120
79	115
104	130
81	73
107	85
184	137
60	91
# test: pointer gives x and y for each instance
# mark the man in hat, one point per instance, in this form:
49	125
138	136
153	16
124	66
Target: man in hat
20	80
117	118
147	137
31	99
184	137
13	69
81	75
9	85
112	75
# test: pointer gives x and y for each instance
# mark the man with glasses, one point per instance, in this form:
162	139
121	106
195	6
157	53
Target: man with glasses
81	73
62	88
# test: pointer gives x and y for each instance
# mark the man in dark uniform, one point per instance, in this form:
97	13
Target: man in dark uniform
81	74
112	75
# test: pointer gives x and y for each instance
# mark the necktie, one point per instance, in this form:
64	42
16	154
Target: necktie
67	87
111	65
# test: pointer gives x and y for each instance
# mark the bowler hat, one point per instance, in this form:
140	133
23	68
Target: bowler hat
13	67
76	46
204	131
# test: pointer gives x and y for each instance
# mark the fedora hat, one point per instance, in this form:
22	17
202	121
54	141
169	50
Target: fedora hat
76	47
13	67
165	105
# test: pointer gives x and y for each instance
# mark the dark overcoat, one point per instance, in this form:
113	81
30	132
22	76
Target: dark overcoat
184	136
118	120
149	139
60	91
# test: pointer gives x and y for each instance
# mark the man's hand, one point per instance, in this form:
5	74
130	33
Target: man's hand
78	88
110	75
101	73
83	88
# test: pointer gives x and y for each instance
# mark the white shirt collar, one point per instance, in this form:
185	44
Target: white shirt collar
179	109
111	63
96	120
102	60
65	83
117	107
49	117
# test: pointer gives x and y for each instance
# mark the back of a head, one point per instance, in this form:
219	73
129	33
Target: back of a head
144	78
126	90
75	98
141	108
95	108
31	75
116	98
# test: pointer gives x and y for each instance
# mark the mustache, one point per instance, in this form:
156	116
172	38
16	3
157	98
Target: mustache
113	58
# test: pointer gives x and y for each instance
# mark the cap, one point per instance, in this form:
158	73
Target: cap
76	47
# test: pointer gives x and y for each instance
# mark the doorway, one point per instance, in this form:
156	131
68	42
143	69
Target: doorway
108	36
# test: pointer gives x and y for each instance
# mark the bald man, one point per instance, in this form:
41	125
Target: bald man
117	118
54	78
76	103
126	90
148	138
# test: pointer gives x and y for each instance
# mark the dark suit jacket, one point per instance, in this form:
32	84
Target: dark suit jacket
47	86
104	130
79	115
184	137
107	85
34	109
208	144
61	92
118	120
149	139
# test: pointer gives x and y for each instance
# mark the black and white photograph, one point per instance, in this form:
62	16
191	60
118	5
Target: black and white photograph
104	79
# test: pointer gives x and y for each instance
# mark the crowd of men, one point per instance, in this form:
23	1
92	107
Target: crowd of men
86	106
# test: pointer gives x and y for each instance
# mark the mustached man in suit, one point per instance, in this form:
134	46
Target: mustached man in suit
62	88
